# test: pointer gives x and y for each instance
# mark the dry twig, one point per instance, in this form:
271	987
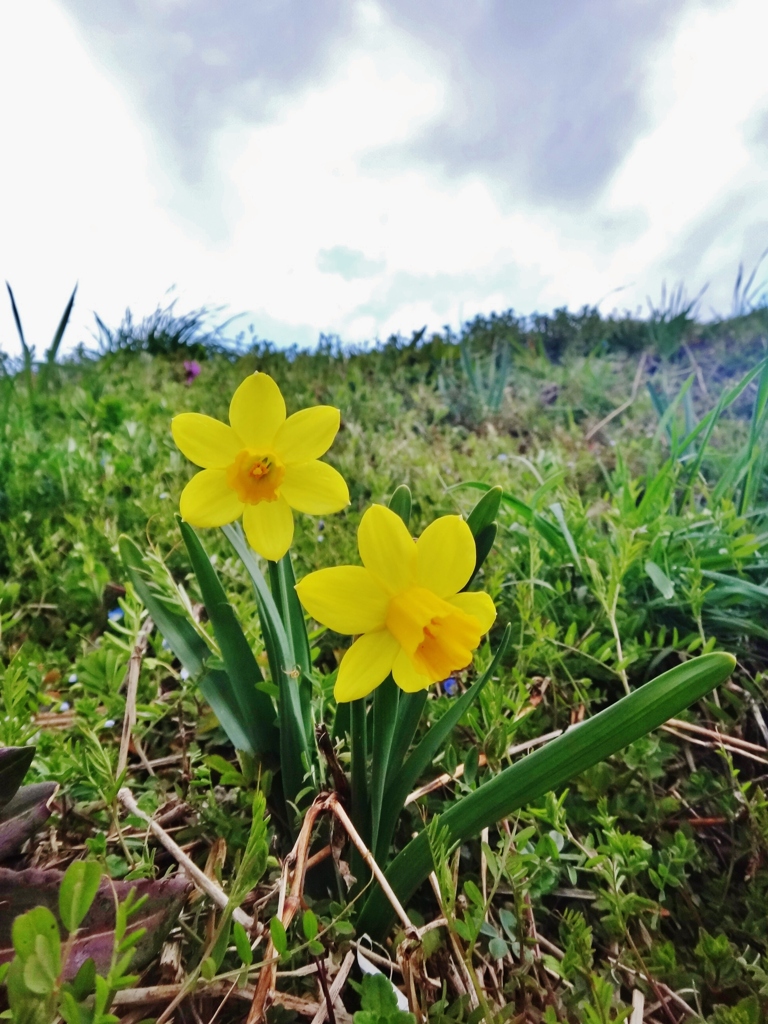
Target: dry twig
201	880
295	866
131	690
336	987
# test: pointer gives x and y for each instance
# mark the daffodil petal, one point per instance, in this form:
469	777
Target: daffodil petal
307	434
386	548
208	500
314	487
347	599
257	411
366	665
445	556
268	526
477	604
205	441
407	676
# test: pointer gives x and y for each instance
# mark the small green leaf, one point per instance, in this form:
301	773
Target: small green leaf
485	511
400	503
208	968
378	996
70	1009
219	949
660	580
27	927
242	944
498	948
471	764
42	969
279	938
474	893
316	948
78	891
84	982
309	925
101	996
508	923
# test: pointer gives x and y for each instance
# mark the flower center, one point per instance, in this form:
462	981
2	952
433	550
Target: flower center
255	476
438	637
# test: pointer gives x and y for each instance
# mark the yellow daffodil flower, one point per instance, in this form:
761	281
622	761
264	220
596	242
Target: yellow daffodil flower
261	466
405	602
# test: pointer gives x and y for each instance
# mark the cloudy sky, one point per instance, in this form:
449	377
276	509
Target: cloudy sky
363	167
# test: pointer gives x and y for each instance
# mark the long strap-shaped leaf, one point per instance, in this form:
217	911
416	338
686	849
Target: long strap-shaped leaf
550	767
50	355
27	351
283	582
191	650
409	712
386	698
422	757
295	750
256	710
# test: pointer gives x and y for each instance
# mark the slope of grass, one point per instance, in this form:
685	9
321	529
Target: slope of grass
622	551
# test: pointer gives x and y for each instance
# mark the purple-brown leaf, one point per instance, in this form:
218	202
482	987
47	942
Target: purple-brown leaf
14	762
23	815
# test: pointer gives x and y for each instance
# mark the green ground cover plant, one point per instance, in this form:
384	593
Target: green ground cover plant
621	535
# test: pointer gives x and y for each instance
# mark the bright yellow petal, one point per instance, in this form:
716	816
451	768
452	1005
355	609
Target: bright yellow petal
269	528
406	676
307	434
347	599
445	556
257	411
386	548
477	604
366	665
208	500
314	487
205	441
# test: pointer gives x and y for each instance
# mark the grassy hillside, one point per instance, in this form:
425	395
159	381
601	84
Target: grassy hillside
632	538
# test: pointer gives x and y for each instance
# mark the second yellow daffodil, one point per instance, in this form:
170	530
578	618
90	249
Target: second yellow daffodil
261	467
405	600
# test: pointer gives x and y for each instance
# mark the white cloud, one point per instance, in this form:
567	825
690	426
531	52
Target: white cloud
82	194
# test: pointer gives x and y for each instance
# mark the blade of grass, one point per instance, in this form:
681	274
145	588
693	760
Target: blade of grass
53	351
757	423
26	350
